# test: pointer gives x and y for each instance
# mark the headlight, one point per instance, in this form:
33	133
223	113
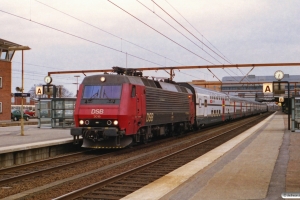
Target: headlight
116	122
87	122
108	122
102	79
81	122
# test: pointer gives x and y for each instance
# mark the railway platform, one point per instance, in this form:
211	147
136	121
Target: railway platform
37	143
261	163
6	123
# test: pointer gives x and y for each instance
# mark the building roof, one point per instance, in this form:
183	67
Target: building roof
262	79
5	44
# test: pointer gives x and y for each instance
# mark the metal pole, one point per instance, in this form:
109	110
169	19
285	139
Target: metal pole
77	86
22	120
289	107
77	76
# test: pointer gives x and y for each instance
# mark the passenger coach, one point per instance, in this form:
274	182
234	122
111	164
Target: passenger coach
212	107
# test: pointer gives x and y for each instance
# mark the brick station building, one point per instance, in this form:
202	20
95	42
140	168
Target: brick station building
6	57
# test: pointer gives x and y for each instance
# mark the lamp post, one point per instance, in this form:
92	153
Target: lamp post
17	48
77	76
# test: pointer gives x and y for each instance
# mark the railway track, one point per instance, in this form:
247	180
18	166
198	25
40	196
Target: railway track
113	163
125	183
16	173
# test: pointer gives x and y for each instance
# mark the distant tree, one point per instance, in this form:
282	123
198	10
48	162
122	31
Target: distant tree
61	92
64	92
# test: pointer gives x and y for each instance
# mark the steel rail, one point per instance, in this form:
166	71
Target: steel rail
42	171
92	187
31	164
43	162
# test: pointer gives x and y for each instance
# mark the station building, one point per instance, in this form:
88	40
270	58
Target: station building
251	86
6	57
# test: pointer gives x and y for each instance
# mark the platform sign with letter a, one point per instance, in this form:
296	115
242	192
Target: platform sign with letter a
39	90
268	88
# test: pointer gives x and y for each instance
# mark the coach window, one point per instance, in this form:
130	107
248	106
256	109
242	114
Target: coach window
200	102
0	82
0	107
133	91
205	103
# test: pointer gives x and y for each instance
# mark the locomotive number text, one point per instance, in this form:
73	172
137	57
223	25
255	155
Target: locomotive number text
149	117
97	111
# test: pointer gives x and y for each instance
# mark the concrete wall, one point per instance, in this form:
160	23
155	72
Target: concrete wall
30	155
5	91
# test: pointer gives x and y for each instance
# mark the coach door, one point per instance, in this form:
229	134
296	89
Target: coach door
205	106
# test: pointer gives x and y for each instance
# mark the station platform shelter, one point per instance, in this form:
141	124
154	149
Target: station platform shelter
55	112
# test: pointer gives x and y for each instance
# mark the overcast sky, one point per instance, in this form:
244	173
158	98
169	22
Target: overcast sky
87	35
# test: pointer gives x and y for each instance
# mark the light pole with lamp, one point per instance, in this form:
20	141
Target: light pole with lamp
17	48
77	76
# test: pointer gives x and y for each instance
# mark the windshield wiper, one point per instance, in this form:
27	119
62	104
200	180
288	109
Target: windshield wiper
92	97
109	99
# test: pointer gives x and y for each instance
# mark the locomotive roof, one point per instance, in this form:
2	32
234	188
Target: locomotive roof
120	79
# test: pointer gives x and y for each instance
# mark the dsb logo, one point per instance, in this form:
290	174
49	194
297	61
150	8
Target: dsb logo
97	111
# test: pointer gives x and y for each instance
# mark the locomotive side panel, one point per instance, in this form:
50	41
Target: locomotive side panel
132	109
166	106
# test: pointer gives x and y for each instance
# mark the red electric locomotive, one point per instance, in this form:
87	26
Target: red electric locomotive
115	110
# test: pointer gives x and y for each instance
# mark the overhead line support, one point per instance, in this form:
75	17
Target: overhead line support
183	67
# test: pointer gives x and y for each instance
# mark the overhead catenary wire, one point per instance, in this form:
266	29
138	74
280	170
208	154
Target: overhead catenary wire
194	37
199	33
79	37
114	35
187	30
160	32
183	34
36	65
122	39
178	31
224	57
84	38
165	36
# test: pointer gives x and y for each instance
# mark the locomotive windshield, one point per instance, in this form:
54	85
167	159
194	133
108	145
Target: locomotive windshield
102	92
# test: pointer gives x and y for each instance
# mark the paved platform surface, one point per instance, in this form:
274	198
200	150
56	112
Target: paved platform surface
5	123
261	163
11	139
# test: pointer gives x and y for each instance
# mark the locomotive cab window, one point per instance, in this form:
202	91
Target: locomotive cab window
110	92
91	91
102	94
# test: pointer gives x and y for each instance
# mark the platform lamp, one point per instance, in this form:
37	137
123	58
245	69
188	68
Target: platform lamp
18	48
77	76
